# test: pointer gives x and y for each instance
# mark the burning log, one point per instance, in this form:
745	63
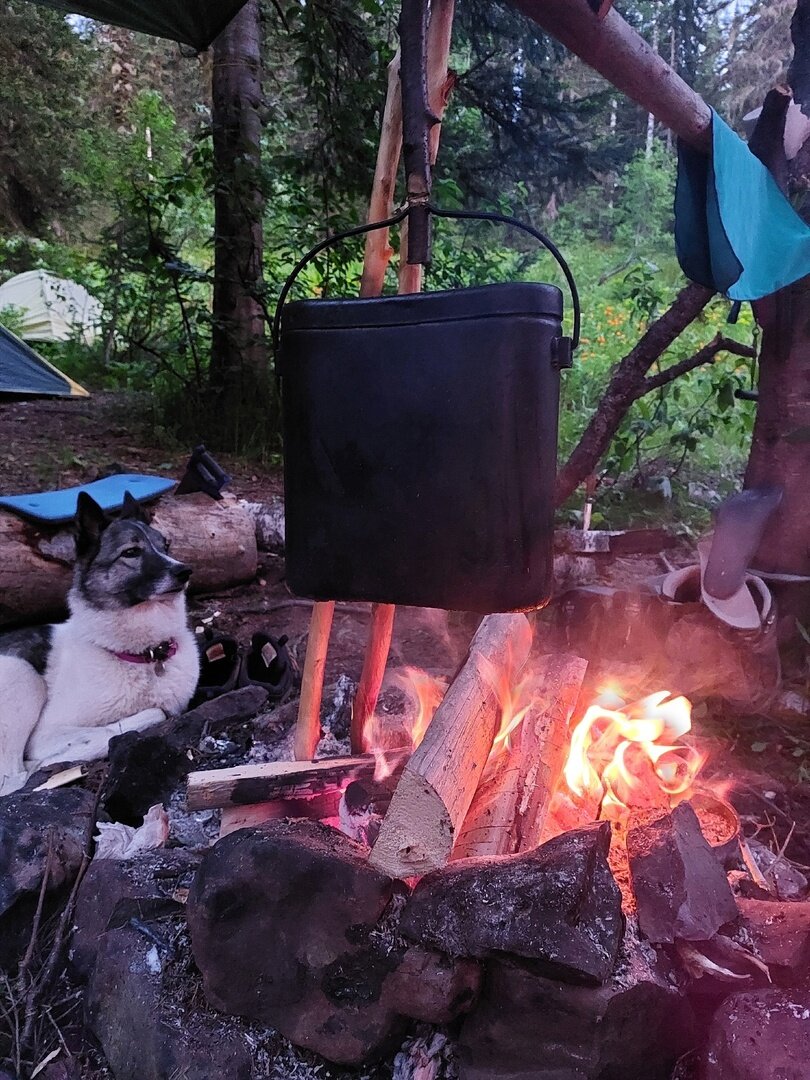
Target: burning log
511	804
438	783
275	781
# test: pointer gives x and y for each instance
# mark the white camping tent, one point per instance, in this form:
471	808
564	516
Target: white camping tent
54	309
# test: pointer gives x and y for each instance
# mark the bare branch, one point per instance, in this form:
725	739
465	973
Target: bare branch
705	355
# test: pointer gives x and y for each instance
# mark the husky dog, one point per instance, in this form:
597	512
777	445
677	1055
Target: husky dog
124	659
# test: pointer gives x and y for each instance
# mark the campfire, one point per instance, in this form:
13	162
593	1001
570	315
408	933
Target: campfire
500	760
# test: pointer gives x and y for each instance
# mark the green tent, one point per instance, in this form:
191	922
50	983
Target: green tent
24	373
193	22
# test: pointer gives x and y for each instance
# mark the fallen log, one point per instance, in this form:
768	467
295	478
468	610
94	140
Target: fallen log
511	804
283	780
439	781
217	539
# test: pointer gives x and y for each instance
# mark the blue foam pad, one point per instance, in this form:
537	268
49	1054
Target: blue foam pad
58	506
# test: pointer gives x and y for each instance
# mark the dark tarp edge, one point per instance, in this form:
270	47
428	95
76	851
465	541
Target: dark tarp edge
192	22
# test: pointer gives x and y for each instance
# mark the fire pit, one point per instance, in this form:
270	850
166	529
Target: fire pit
557	843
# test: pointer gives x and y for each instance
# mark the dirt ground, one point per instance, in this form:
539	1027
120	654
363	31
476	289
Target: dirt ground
49	444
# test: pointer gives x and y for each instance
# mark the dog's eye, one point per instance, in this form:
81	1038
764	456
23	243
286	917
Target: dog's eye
131	553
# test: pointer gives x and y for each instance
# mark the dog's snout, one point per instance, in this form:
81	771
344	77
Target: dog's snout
182	573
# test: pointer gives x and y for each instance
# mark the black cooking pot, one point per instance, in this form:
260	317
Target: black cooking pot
420	443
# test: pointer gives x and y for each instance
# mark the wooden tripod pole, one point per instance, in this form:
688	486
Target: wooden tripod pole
378	252
439	86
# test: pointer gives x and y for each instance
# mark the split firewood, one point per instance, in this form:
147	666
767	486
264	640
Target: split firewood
283	780
512	802
439	781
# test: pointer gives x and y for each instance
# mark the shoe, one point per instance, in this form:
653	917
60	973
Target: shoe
219	666
267	664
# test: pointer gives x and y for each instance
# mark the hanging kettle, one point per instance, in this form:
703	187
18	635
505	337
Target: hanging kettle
420	439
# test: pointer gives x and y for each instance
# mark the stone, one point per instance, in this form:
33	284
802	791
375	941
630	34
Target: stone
287	928
557	905
432	987
529	1027
759	1036
146	767
778	933
114	891
786	882
681	889
132	1008
30	823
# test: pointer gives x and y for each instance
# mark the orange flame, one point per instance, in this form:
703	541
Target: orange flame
514	701
426	692
632	755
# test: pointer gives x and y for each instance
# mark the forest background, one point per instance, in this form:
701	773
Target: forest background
107	177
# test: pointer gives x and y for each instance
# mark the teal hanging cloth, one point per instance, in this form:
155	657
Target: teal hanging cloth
735	231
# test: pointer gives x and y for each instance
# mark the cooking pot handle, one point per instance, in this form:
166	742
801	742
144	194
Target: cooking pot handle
477	215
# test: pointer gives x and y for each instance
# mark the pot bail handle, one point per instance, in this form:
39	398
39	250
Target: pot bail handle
564	345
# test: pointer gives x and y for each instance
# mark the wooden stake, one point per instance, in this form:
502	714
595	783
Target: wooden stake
308	727
510	806
378	253
368	690
439	782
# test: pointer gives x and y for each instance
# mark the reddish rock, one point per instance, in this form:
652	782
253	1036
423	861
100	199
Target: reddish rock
291	927
557	905
778	933
527	1027
760	1036
681	889
432	987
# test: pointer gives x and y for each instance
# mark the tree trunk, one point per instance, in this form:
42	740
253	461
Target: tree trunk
238	376
780	450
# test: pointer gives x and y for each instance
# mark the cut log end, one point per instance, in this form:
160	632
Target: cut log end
427	841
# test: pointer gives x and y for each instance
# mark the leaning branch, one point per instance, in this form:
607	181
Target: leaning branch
705	355
622	390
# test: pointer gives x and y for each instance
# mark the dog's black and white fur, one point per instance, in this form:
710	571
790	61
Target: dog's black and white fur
66	689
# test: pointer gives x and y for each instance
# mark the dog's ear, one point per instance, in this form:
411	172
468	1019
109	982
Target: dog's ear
91	521
133	511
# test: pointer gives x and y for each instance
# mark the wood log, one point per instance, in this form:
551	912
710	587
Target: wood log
245	817
278	780
611	47
217	539
510	806
438	783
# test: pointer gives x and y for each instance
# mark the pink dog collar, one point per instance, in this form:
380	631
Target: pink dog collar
157	655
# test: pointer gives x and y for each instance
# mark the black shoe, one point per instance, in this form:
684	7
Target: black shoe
219	667
267	664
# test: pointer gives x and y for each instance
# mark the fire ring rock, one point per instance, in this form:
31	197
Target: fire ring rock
291	927
557	905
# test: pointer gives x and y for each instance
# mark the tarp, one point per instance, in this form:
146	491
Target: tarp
194	22
734	229
52	308
25	373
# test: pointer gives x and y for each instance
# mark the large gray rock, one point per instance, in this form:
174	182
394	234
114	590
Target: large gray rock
681	889
528	1027
557	905
114	891
760	1036
291	927
146	1030
33	822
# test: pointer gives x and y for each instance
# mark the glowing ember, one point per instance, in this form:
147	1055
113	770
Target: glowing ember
624	756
